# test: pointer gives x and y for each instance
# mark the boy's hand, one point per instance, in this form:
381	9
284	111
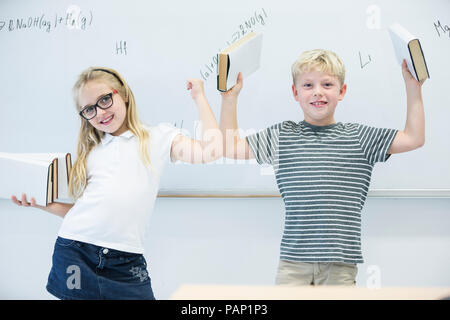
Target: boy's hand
234	92
196	87
410	81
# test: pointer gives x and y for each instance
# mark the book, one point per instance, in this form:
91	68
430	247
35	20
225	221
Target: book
407	46
43	176
242	56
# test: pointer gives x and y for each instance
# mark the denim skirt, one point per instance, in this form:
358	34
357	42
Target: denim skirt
85	271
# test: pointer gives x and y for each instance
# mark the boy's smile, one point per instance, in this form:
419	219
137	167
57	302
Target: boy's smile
318	94
319	103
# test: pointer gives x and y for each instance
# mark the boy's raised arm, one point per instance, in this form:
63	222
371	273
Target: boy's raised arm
413	136
234	146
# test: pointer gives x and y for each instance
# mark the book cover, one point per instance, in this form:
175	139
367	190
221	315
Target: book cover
242	56
408	47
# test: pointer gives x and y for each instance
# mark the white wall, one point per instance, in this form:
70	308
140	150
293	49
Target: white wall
171	41
236	241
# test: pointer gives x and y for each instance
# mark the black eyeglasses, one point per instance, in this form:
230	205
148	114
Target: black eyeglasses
105	102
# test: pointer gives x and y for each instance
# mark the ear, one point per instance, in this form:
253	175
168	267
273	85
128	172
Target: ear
295	92
342	92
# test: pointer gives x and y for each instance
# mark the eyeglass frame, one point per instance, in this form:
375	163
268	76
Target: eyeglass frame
97	106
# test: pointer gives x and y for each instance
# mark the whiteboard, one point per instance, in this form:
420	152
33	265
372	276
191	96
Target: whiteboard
158	45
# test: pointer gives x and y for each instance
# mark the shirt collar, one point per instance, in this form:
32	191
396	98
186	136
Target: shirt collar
318	128
108	137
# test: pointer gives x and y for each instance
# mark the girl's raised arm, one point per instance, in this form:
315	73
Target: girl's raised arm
209	148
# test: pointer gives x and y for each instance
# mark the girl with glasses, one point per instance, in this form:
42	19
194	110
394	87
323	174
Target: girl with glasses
114	181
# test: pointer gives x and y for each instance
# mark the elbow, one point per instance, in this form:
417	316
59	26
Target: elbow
213	157
415	145
414	141
212	153
420	142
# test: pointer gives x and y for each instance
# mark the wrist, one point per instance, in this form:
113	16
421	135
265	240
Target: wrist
199	97
229	101
412	84
201	101
414	91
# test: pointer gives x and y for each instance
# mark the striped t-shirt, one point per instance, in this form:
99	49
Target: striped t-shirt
323	174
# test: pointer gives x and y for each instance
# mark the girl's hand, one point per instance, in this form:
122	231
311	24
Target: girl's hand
234	92
410	81
196	87
25	203
57	208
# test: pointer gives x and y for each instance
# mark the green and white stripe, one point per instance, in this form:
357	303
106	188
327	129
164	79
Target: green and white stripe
323	174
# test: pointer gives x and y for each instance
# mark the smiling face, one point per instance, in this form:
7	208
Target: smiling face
318	94
111	120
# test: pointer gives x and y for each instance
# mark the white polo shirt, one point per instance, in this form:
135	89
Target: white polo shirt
114	210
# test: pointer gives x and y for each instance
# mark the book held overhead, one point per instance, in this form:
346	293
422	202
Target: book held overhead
408	47
242	56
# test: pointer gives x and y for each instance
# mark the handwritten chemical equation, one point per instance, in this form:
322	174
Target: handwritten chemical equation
258	18
441	29
72	19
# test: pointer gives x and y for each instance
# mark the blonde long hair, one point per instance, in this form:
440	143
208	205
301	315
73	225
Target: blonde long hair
89	137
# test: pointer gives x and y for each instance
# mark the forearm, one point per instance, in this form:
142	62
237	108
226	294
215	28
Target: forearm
58	208
229	126
415	117
211	137
206	116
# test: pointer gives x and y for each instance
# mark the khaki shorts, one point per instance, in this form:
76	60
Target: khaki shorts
318	273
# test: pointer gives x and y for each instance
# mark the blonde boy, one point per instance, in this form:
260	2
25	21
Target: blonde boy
322	168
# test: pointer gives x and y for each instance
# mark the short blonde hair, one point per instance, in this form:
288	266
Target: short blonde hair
320	60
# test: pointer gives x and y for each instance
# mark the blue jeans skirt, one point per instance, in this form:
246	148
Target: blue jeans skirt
85	271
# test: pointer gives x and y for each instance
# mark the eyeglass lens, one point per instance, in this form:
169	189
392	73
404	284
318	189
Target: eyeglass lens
103	103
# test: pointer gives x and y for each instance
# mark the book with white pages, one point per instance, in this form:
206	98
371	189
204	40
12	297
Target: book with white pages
407	46
242	56
43	176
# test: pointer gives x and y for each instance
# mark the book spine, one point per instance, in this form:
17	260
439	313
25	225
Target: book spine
218	72
423	56
48	194
223	67
68	166
55	179
413	62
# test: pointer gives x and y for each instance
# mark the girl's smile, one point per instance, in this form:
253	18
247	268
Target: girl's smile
107	121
